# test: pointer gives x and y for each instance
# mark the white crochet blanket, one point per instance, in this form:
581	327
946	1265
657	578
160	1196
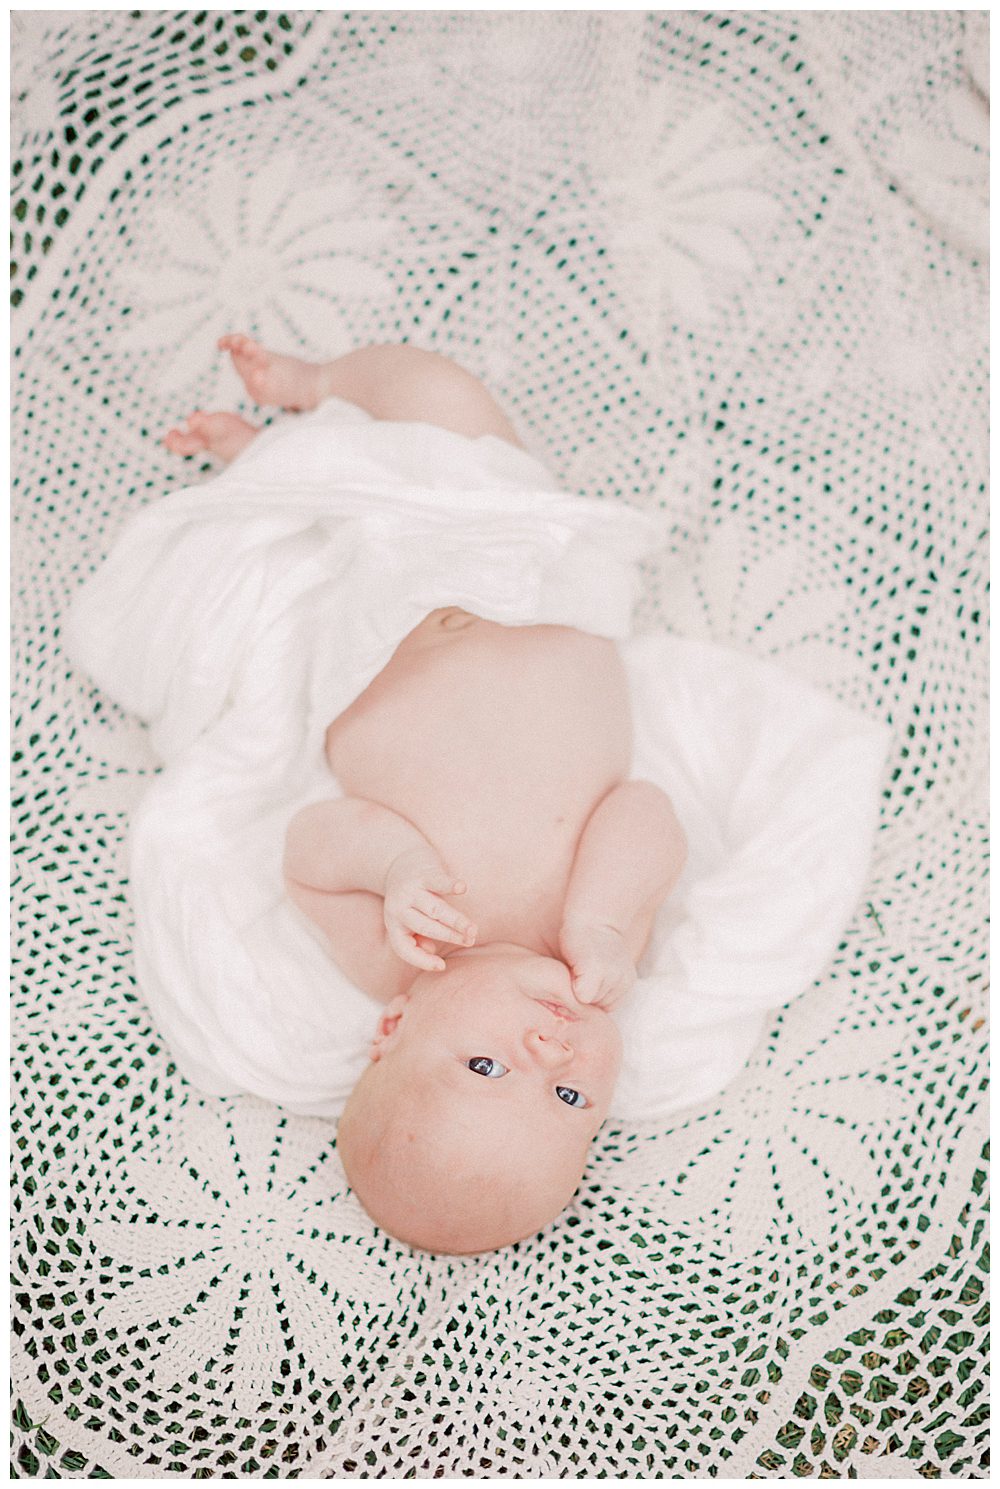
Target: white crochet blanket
729	268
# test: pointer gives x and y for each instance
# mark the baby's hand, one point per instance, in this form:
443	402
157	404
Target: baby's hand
600	967
415	915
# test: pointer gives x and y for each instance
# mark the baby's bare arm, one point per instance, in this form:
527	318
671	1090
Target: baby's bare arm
629	858
347	845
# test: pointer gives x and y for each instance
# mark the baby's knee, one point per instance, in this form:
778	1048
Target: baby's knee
409	384
435	389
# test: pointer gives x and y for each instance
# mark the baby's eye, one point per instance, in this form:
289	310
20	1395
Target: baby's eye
571	1097
484	1065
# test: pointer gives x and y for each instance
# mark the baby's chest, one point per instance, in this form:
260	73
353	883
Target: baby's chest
505	710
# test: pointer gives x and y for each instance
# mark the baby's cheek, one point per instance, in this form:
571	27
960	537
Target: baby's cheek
609	1066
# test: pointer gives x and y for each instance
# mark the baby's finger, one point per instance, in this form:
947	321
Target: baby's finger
426	944
443	913
614	989
586	987
443	883
414	920
608	996
407	950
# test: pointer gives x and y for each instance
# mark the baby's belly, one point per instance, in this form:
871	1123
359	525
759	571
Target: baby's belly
497	742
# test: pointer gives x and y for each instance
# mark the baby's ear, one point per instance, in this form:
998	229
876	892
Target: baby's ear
386	1031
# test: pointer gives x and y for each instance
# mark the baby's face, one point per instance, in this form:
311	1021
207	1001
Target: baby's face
470	1129
506	1045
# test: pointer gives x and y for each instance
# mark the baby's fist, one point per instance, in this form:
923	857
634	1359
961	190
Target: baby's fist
601	970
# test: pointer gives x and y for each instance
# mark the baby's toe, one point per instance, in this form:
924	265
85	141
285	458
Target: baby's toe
181	442
252	351
249	357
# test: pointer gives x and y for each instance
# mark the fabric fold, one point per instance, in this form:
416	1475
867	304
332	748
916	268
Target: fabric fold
239	617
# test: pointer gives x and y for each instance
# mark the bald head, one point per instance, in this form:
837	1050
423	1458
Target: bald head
470	1128
441	1182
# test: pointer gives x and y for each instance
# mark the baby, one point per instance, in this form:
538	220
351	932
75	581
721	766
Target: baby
490	874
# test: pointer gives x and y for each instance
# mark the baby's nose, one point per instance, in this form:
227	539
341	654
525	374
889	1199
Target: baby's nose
550	1052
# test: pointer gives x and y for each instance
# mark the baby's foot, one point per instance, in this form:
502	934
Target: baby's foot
285	382
224	435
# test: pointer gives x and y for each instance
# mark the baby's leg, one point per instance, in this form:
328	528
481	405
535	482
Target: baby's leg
223	435
406	383
389	382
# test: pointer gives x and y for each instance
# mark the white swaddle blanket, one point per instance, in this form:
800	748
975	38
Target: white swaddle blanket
240	616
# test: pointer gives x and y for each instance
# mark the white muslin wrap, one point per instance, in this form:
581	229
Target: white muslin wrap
237	618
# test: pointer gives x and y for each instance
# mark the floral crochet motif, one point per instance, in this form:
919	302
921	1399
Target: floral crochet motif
255	254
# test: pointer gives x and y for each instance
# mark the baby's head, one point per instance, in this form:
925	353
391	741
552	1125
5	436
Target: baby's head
470	1127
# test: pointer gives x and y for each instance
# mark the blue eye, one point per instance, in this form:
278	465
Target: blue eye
571	1097
484	1065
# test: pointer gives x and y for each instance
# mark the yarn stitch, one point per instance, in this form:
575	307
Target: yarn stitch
728	264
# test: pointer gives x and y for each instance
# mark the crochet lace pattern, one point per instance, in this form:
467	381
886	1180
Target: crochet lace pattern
728	264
